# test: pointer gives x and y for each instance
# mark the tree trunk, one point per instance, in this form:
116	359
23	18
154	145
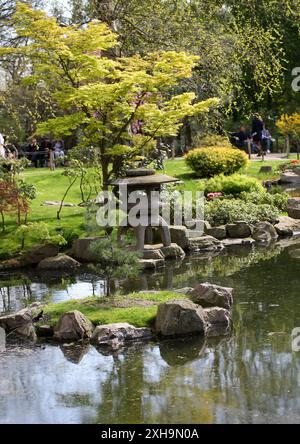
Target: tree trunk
3	221
64	196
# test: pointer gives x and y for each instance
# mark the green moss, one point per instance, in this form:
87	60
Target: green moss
132	308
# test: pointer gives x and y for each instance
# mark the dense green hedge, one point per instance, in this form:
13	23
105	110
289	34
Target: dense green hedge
209	162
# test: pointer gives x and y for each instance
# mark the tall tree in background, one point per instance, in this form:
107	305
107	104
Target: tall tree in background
247	48
21	105
119	105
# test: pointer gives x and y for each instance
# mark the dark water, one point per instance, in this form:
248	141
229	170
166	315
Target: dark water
253	376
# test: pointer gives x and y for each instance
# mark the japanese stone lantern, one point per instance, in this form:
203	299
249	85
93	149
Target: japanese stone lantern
144	184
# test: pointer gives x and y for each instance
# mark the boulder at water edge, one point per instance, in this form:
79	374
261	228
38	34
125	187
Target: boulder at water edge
173	251
179	235
81	249
264	232
38	253
293	207
73	326
21	322
287	226
60	262
239	230
217	232
218	321
180	317
209	295
115	335
204	243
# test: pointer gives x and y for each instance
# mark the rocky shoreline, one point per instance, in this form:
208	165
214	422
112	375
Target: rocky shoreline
184	241
204	311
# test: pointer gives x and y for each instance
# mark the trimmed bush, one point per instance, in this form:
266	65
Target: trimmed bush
209	162
224	211
233	185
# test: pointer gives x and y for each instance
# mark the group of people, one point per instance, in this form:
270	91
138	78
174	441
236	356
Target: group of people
45	153
260	139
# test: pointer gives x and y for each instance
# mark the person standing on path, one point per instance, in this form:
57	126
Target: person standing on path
257	130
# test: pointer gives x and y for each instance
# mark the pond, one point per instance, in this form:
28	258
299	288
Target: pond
253	376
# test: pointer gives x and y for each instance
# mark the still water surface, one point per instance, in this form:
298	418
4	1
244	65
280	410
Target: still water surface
253	376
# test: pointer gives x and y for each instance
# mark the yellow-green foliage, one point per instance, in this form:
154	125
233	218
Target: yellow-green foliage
289	125
208	162
100	95
233	185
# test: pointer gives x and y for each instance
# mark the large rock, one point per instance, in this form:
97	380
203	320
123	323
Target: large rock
197	228
21	322
81	249
286	226
173	251
264	232
217	232
217	316
210	295
152	264
37	254
73	326
151	253
290	177
11	264
293	207
180	236
60	262
239	230
179	318
115	335
218	321
229	242
204	243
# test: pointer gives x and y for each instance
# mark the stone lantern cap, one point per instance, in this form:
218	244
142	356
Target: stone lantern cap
143	177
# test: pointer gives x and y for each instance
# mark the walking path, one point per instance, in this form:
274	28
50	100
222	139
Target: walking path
272	156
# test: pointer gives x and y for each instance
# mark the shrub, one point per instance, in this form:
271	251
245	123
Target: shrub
234	185
223	211
209	162
278	200
36	232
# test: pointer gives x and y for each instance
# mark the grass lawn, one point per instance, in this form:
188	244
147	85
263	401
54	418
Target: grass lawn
51	185
138	309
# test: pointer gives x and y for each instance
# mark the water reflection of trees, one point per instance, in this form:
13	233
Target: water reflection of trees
9	295
237	380
195	268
